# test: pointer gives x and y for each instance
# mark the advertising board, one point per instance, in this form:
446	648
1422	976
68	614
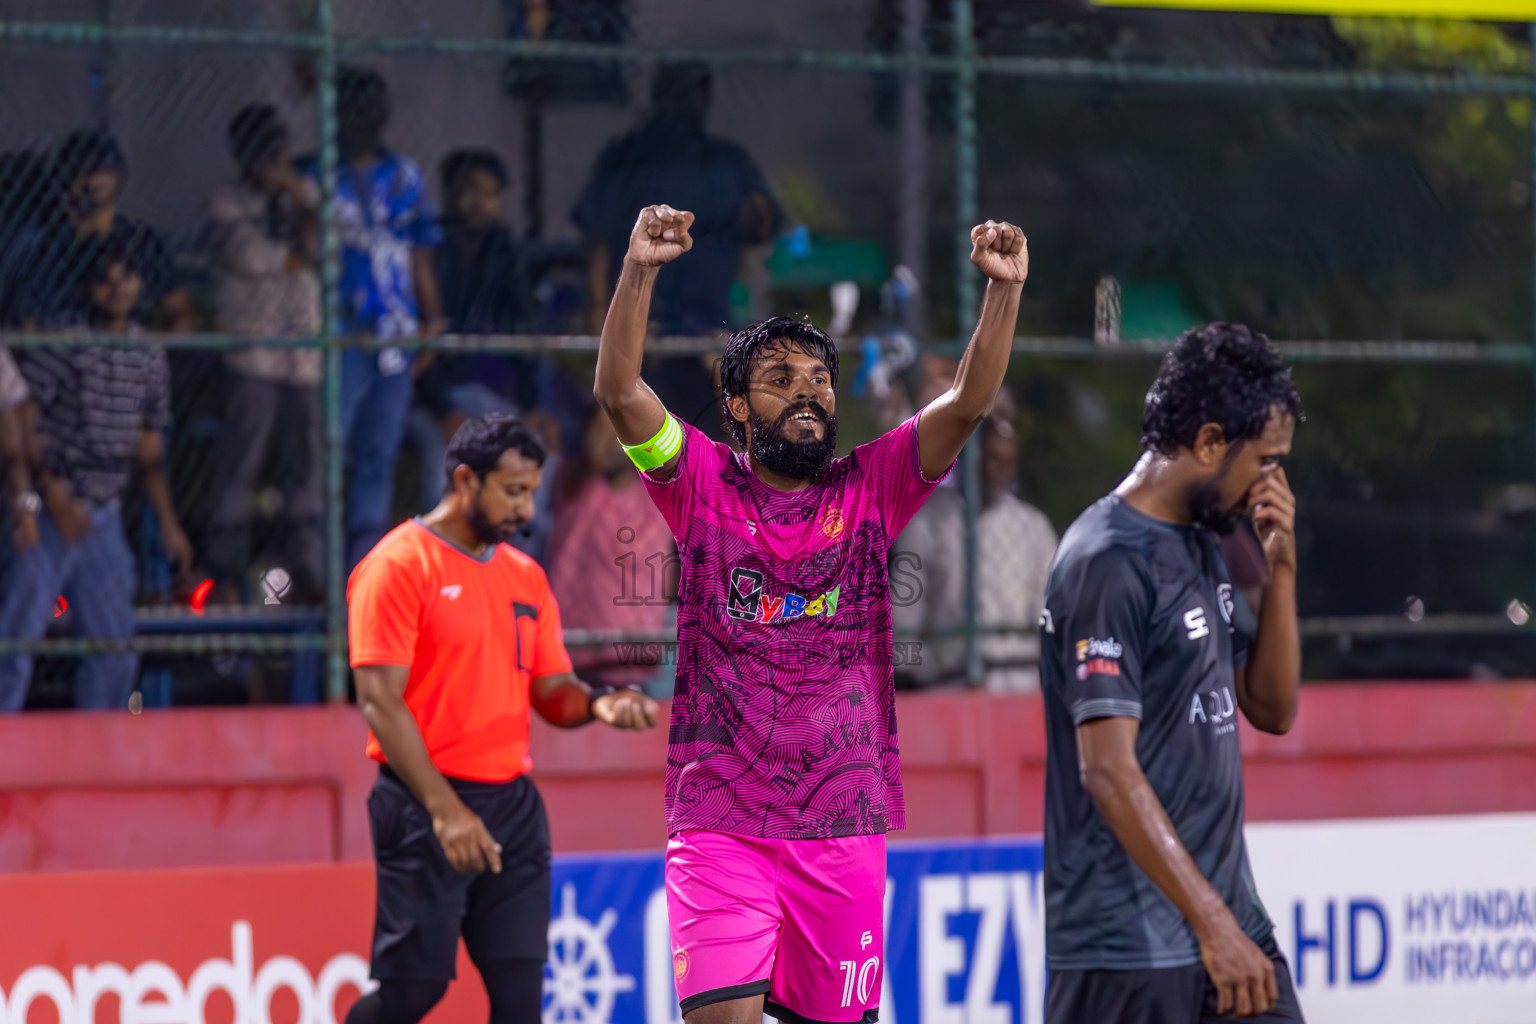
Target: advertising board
1418	921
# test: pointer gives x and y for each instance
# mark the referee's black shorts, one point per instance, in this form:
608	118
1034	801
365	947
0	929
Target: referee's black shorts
1170	995
424	905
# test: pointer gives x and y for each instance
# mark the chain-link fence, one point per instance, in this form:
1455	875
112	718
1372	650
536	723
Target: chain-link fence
416	209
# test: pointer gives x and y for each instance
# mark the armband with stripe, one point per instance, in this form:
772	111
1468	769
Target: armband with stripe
659	449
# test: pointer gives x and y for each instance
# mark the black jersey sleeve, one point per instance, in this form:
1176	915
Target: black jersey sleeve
1102	620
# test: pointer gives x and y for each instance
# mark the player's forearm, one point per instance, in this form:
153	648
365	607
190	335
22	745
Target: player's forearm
33	448
400	739
18	476
13	453
622	346
306	246
429	299
563	701
1272	679
157	489
598	269
985	362
633	408
1126	800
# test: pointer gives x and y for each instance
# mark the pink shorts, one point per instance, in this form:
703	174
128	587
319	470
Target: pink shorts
800	921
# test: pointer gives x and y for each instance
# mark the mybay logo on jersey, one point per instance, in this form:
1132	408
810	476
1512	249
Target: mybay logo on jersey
1097	657
153	992
746	602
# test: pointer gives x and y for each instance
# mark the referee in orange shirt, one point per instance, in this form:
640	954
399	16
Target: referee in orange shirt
455	635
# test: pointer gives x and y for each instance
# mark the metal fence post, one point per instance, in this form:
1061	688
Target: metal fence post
966	298
335	441
912	132
1531	198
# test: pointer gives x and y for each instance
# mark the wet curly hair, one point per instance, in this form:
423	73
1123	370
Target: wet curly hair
744	347
1225	374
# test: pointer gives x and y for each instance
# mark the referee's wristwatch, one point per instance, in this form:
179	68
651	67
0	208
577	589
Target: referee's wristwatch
29	502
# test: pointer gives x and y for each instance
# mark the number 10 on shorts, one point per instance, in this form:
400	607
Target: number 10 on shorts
863	976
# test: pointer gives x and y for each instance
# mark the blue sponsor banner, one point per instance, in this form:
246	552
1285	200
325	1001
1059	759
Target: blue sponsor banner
1416	921
965	926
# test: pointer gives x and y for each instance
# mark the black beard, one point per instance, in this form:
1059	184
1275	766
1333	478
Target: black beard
1205	509
485	531
798	460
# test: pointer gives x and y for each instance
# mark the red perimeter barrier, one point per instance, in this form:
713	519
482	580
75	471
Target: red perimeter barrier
186	788
208	945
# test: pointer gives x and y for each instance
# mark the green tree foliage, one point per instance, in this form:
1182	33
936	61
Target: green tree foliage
1312	216
1480	136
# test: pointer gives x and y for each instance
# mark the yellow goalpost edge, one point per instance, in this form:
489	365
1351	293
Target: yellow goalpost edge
1461	10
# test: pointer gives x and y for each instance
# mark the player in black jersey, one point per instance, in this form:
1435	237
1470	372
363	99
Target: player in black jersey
1148	655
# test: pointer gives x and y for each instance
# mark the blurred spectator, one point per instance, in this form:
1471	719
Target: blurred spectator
671	159
96	414
388	230
44	269
927	564
935	374
611	557
927	568
533	539
263	234
19	518
479	263
26	203
1014	545
479	268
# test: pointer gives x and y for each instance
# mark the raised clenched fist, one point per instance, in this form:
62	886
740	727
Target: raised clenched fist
1001	251
660	236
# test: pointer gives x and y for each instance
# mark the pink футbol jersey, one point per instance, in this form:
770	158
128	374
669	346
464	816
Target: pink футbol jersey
784	715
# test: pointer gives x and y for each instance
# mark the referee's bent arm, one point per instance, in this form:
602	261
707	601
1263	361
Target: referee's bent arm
464	837
566	702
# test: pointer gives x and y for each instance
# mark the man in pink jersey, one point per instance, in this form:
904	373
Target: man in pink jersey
783	774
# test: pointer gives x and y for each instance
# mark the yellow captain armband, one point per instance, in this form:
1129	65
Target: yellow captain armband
659	449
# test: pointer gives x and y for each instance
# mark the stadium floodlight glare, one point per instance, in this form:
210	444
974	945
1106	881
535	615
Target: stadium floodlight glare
1461	10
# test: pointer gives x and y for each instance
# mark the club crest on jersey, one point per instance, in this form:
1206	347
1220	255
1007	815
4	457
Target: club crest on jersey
1224	598
746	602
832	523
